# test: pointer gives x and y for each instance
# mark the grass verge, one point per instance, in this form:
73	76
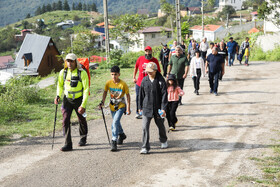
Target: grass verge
35	117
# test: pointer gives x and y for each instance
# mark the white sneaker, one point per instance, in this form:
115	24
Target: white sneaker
138	116
144	151
164	145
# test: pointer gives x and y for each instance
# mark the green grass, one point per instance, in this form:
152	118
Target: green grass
270	166
36	118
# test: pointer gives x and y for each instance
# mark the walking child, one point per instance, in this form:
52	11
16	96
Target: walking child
246	54
197	70
174	91
118	106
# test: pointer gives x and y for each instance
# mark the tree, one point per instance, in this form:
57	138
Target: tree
66	6
44	9
59	5
38	11
25	24
270	11
28	16
84	7
127	25
80	6
93	7
54	6
226	10
185	28
73	6
48	8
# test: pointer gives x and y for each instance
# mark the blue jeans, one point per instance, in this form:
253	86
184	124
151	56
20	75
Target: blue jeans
116	125
231	57
214	81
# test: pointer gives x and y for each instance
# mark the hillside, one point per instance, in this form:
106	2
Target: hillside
15	10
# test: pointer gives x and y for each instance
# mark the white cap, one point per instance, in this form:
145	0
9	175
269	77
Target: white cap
151	66
72	56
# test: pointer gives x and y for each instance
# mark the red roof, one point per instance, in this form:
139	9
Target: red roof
254	13
97	33
253	30
212	28
154	29
102	24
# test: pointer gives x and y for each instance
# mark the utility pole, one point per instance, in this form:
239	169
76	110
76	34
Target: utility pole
202	8
107	46
240	19
227	21
178	21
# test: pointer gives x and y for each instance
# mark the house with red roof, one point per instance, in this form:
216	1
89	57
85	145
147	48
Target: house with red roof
210	32
151	36
5	61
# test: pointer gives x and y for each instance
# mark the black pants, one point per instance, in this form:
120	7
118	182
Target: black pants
203	55
181	85
196	79
67	108
214	81
164	66
171	113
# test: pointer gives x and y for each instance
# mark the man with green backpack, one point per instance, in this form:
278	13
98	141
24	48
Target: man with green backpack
74	81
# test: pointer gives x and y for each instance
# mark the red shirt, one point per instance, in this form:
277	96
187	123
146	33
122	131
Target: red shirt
141	65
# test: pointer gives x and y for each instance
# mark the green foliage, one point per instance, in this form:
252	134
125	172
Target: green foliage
226	10
271	10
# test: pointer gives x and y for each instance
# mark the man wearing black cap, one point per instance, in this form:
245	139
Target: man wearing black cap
163	57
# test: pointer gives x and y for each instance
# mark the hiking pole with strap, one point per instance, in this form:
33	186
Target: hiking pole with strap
105	124
54	124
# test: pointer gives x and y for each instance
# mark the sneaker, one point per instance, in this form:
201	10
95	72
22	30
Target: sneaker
164	145
211	91
114	145
216	94
66	148
144	151
138	116
83	141
171	128
122	137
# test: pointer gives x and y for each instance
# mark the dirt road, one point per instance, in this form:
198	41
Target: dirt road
215	138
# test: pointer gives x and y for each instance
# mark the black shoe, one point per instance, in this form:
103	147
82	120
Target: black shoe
66	148
83	141
114	146
197	93
122	137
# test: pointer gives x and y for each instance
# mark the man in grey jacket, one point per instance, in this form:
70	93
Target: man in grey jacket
153	104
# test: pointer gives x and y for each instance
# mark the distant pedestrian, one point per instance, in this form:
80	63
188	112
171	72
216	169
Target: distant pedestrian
179	66
222	50
216	65
174	91
247	54
232	50
163	57
140	65
118	105
74	82
172	49
153	104
209	51
191	53
243	47
197	70
203	47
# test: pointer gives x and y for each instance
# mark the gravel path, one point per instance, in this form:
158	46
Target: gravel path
215	138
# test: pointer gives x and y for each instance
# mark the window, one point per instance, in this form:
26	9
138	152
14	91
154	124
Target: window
153	35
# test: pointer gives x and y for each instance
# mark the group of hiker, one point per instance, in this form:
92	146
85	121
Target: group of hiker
157	95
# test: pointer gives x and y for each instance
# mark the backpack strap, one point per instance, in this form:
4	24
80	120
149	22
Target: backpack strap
65	74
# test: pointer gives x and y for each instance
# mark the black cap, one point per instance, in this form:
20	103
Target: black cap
165	45
231	38
171	77
197	51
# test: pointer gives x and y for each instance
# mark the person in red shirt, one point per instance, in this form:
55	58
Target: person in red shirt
140	65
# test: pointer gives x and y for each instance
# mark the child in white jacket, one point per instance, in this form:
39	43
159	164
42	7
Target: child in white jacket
197	70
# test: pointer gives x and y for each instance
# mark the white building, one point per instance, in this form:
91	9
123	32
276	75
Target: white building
236	4
269	26
210	32
151	36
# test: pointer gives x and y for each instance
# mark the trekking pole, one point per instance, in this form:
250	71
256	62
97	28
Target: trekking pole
105	124
54	124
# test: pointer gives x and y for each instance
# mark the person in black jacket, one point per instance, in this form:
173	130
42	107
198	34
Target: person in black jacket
163	57
153	104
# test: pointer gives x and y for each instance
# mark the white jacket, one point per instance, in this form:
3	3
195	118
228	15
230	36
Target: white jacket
193	67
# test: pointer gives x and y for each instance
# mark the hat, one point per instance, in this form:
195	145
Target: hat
231	38
171	77
148	48
151	67
165	45
197	51
72	56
